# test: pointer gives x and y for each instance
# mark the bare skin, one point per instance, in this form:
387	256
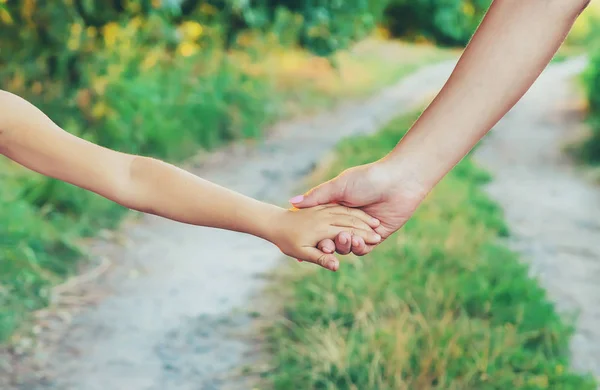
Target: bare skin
514	43
33	140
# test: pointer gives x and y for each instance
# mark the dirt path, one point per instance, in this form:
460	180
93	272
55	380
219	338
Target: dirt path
179	295
553	213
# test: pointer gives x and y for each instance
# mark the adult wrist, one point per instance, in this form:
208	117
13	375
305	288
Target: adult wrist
393	174
425	155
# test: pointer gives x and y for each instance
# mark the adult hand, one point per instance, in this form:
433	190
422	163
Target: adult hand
379	189
484	86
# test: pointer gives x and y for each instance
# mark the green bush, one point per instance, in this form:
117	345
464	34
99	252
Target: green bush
325	27
35	252
590	149
448	22
440	305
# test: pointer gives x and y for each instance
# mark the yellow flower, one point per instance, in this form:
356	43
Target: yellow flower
76	29
5	16
111	31
191	30
99	110
17	82
156	3
421	39
244	40
187	49
136	22
99	85
540	381
73	44
91	32
560	369
27	9
113	71
36	88
208	9
150	60
468	9
135	7
382	33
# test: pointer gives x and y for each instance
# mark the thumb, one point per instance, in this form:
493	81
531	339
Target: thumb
325	260
325	193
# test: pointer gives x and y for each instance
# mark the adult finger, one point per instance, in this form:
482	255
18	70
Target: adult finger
366	236
343	243
356	214
326	246
359	247
328	192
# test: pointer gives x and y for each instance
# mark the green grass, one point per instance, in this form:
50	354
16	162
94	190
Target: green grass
442	304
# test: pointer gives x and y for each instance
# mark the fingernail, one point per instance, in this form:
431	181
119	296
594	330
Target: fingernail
375	221
297	199
332	265
378	237
343	240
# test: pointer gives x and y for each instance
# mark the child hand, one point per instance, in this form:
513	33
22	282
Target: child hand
297	232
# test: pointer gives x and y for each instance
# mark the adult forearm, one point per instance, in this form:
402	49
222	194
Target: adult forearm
515	42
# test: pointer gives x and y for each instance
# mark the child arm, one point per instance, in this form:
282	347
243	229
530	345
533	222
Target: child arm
33	140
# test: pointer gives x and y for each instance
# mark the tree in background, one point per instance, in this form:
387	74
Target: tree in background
447	22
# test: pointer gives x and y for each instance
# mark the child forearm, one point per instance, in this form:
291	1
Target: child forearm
163	189
32	139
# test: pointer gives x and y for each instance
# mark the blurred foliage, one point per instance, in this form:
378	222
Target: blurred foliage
34	251
586	33
447	22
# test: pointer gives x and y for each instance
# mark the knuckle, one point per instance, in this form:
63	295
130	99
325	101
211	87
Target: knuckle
321	260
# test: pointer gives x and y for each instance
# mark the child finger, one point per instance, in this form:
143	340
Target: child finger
350	221
327	261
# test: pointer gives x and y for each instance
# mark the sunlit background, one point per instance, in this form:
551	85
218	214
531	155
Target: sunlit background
171	78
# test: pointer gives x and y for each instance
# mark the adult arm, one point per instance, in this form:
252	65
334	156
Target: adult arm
514	43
